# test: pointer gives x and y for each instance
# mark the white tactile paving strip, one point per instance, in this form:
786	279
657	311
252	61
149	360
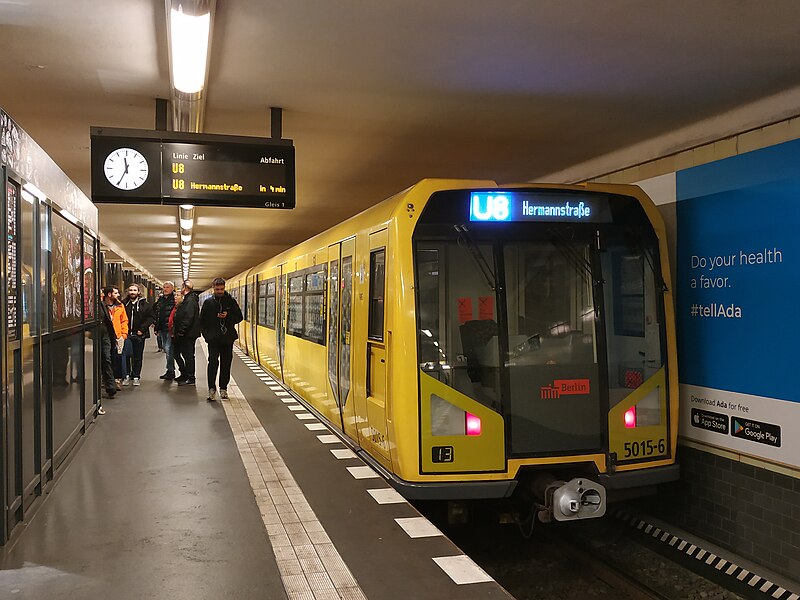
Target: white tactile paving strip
461	569
309	564
731	569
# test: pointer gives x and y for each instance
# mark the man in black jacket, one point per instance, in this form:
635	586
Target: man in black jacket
186	327
218	319
140	318
161	311
107	337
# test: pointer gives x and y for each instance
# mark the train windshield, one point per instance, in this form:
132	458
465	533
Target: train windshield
548	323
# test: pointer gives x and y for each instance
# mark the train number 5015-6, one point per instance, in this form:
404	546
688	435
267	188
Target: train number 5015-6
645	448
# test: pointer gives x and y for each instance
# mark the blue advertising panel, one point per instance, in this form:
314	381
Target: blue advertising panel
738	289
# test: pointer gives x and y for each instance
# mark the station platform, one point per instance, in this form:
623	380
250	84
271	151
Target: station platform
174	497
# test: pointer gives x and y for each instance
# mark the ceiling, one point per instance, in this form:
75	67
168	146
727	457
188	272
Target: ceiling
378	95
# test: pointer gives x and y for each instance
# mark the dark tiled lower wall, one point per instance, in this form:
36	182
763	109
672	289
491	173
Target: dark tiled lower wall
751	511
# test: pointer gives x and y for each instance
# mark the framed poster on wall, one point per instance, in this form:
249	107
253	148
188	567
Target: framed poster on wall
67	278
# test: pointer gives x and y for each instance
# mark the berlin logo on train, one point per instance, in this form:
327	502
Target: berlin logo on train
564	387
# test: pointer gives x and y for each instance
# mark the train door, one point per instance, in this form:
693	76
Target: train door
340	309
280	325
253	316
376	344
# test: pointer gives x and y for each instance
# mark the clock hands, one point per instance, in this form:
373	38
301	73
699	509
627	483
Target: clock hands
125	172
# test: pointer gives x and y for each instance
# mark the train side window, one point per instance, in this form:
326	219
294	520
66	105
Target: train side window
294	325
269	307
377	283
262	303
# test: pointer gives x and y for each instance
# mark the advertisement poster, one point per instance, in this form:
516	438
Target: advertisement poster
67	277
738	286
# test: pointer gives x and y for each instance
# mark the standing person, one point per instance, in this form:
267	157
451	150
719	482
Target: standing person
218	318
171	330
140	318
186	327
161	312
159	341
119	319
108	338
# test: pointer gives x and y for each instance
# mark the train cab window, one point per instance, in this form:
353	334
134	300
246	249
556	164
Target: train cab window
634	321
377	284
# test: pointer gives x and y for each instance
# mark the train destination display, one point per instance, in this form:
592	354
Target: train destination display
257	174
146	167
507	206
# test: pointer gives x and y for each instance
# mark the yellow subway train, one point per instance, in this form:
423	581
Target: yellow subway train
468	339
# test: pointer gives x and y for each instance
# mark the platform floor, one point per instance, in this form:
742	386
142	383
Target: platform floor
174	497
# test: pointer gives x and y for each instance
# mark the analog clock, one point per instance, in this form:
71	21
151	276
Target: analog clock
126	168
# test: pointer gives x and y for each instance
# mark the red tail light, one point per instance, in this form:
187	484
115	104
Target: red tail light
473	424
630	417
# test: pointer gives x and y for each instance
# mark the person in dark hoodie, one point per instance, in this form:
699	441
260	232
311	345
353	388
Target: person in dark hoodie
140	318
161	311
218	319
186	327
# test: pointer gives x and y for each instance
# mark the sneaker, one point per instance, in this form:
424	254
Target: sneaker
101	410
212	394
126	381
136	381
168	376
181	379
118	383
223	394
187	381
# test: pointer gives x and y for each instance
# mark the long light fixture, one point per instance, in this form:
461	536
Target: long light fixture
189	41
185	231
190	24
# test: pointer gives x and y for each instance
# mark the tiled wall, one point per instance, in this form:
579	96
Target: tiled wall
750	510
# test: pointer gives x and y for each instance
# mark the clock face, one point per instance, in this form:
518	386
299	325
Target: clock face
126	168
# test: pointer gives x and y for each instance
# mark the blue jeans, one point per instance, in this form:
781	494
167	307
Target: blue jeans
166	343
121	360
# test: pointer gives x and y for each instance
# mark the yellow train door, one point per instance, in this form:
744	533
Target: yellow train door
280	322
376	344
345	392
340	285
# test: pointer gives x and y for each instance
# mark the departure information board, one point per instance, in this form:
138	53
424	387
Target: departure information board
255	174
157	167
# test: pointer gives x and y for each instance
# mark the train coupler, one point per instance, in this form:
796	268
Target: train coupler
577	499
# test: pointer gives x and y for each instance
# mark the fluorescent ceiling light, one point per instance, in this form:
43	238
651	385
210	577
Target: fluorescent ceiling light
187	206
187	223
186	237
189	49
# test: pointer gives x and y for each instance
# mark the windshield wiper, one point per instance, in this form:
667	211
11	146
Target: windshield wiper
486	271
563	243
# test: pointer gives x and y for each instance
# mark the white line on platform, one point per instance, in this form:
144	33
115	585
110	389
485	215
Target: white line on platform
316	426
386	496
295	407
328	439
293	529
305	416
343	453
461	569
418	527
362	472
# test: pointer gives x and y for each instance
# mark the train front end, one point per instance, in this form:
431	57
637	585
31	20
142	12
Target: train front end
545	346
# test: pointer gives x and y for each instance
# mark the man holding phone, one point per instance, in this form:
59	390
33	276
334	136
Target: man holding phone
218	318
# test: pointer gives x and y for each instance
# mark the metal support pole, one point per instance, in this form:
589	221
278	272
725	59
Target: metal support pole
162	106
276	119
